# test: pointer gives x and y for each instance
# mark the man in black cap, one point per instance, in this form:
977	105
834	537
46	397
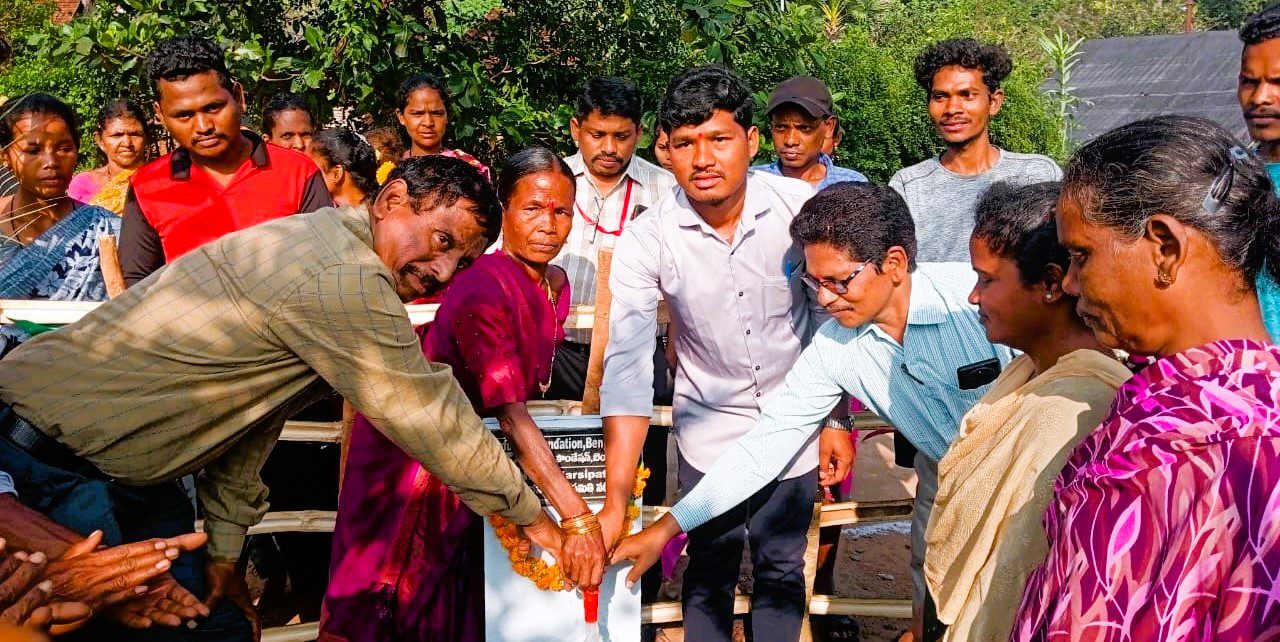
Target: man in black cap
802	120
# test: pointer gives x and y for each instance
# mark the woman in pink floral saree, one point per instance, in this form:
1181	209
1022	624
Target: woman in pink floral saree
1165	524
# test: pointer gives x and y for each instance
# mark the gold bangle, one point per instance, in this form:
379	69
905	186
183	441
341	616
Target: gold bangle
585	517
580	525
583	531
583	523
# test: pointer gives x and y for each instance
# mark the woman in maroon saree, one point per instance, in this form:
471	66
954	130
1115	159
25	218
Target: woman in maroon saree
407	561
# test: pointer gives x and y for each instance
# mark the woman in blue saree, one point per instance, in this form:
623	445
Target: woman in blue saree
48	241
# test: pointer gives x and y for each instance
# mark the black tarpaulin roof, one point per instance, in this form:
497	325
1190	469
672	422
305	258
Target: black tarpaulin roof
1127	79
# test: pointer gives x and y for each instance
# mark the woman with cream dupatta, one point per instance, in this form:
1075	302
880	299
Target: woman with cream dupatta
985	536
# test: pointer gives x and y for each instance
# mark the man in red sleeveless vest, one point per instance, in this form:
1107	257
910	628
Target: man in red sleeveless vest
220	179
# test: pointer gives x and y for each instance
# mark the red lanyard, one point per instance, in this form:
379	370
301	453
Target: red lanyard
622	219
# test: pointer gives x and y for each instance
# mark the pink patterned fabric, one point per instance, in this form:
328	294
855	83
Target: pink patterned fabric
1165	523
471	160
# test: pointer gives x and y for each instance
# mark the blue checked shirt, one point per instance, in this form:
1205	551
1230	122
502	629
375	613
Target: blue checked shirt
912	386
835	173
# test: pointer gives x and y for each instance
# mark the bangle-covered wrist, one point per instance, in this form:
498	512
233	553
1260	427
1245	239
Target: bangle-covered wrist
584	524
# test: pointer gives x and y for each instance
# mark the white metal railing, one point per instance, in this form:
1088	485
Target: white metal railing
581	317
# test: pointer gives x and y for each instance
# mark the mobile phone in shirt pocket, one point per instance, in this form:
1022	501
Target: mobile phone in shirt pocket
977	374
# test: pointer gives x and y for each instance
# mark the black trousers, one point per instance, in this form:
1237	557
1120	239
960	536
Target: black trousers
774	522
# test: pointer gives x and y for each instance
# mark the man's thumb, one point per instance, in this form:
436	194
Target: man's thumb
619	553
633	576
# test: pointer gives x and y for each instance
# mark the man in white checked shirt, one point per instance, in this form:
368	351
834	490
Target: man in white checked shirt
613	186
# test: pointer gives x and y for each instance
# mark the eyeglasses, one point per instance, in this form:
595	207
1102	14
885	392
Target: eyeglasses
838	287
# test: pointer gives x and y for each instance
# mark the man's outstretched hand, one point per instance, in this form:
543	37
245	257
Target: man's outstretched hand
644	549
226	580
166	604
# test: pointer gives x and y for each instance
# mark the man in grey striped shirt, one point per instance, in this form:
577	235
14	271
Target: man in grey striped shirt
614	185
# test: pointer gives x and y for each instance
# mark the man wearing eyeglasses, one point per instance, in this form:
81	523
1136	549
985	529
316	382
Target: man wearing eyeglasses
905	342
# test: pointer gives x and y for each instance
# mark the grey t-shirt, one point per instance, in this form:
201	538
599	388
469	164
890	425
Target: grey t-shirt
942	202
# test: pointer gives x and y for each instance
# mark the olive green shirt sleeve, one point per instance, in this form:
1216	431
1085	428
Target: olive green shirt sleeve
232	493
348	325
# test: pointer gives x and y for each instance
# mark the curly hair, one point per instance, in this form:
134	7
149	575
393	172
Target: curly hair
1261	26
992	60
180	58
440	181
863	219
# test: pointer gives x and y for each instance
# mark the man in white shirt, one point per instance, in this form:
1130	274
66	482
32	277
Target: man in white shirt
614	184
717	250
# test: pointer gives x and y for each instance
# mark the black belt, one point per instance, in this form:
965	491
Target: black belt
46	449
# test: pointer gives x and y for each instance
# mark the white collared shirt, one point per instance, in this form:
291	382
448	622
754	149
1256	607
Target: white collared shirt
739	313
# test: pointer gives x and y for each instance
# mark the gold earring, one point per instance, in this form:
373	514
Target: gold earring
1164	279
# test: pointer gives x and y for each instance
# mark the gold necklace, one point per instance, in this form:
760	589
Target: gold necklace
551	298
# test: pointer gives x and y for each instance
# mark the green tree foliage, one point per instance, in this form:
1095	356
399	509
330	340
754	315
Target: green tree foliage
81	88
511	69
1105	18
19	18
1226	14
514	67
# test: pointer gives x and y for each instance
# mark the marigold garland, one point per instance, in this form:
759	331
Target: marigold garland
548	576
